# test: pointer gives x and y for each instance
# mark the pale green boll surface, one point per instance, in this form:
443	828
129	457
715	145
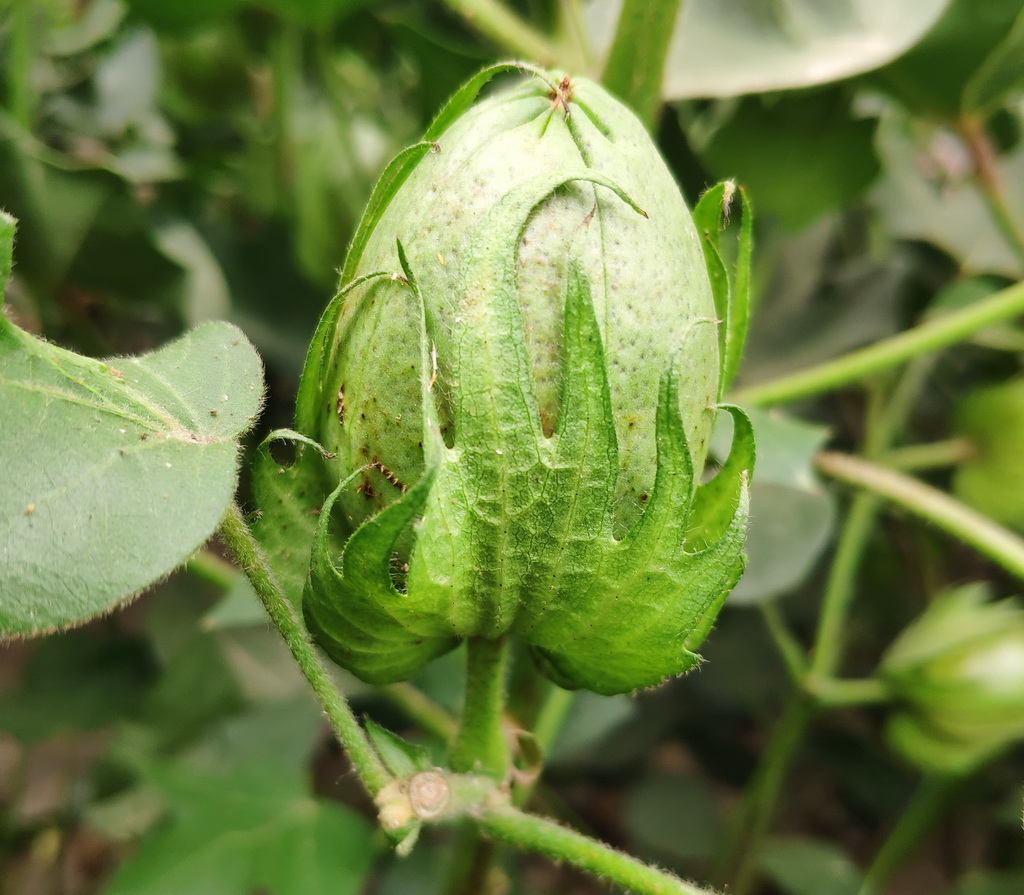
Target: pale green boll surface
519	400
647	278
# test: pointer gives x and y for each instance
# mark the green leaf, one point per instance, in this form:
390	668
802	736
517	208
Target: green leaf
254	829
402	758
1000	75
635	69
116	471
289	497
675	818
801	154
732	47
80	681
785	541
804	866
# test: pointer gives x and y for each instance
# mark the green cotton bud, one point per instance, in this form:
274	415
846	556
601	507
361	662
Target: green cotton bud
518	379
958	671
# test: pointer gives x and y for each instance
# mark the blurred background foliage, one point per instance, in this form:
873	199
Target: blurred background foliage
171	163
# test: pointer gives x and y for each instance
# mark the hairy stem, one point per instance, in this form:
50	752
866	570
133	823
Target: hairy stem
940	332
480	742
497	22
548	838
247	552
989	538
923	810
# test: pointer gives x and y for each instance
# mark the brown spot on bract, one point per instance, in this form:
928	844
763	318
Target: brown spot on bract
340	405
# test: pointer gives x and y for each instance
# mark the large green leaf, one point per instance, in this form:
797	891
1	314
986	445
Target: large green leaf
731	47
114	471
253	830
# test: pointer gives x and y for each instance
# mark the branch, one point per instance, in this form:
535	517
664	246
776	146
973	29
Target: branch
987	537
367	764
940	332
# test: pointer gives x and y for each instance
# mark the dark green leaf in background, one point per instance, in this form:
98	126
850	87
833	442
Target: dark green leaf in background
250	830
800	155
804	866
114	472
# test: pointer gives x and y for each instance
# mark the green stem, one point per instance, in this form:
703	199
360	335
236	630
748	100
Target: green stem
551	716
739	860
986	176
20	95
575	29
548	838
793	656
987	537
285	65
549	722
210	568
917	819
937	333
497	22
635	69
480	742
935	455
367	764
840	588
833	693
434	719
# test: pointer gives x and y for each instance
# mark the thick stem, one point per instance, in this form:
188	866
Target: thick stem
480	742
986	176
636	63
20	94
923	810
548	838
989	538
247	552
930	336
496	21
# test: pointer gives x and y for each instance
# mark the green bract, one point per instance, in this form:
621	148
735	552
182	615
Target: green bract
518	378
959	671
